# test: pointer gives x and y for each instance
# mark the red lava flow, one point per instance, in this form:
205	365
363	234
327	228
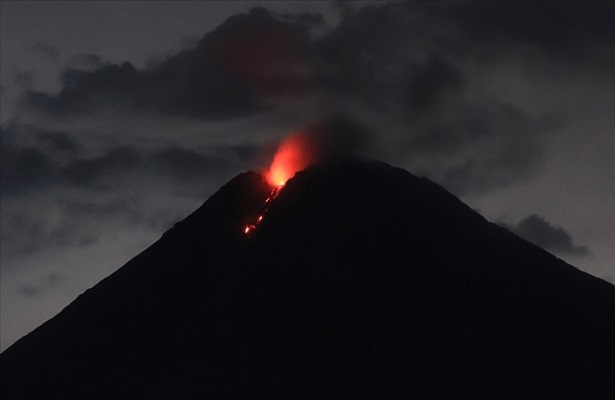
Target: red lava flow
252	226
294	154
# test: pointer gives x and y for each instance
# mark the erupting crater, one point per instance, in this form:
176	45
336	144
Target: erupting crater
294	154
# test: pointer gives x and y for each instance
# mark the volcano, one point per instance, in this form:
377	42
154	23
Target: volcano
361	281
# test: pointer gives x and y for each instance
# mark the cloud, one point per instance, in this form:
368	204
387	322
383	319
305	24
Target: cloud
22	167
307	19
537	230
46	49
184	164
571	32
36	158
489	145
25	79
431	81
87	61
58	192
112	165
58	141
410	64
42	283
249	57
415	68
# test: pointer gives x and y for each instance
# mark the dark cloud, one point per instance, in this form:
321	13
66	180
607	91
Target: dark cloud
540	232
129	209
306	19
32	157
184	165
481	173
56	193
87	61
377	48
46	49
245	154
401	56
25	79
361	57
268	55
35	288
67	220
511	151
22	233
22	167
35	158
378	53
28	290
432	81
26	231
98	192
338	136
189	41
96	172
224	75
422	58
571	31
58	141
181	166
479	146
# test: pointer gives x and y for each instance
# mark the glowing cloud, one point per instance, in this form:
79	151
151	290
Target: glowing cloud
294	154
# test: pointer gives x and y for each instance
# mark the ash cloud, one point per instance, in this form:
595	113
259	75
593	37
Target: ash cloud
409	64
223	76
413	65
537	230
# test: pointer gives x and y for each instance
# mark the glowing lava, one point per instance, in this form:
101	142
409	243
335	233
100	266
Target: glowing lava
248	229
295	153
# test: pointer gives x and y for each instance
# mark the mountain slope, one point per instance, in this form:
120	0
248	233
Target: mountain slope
362	281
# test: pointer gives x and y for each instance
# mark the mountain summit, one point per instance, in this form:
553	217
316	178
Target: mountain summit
361	281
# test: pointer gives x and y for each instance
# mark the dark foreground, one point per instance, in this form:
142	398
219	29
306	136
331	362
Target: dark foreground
363	281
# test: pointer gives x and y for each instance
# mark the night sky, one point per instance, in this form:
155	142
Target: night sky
120	119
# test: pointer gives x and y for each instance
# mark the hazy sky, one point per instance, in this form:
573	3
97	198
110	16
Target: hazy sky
119	119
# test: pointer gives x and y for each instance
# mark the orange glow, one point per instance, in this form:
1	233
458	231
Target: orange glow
251	227
295	153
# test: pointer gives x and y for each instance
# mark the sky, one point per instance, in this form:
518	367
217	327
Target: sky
118	119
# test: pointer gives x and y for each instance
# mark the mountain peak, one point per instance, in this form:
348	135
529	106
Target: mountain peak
362	280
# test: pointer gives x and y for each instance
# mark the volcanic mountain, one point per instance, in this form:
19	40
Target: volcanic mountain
361	281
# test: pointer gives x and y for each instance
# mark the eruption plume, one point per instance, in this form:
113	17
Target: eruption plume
294	154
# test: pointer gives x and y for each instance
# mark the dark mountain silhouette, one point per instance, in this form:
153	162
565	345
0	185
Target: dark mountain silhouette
363	281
